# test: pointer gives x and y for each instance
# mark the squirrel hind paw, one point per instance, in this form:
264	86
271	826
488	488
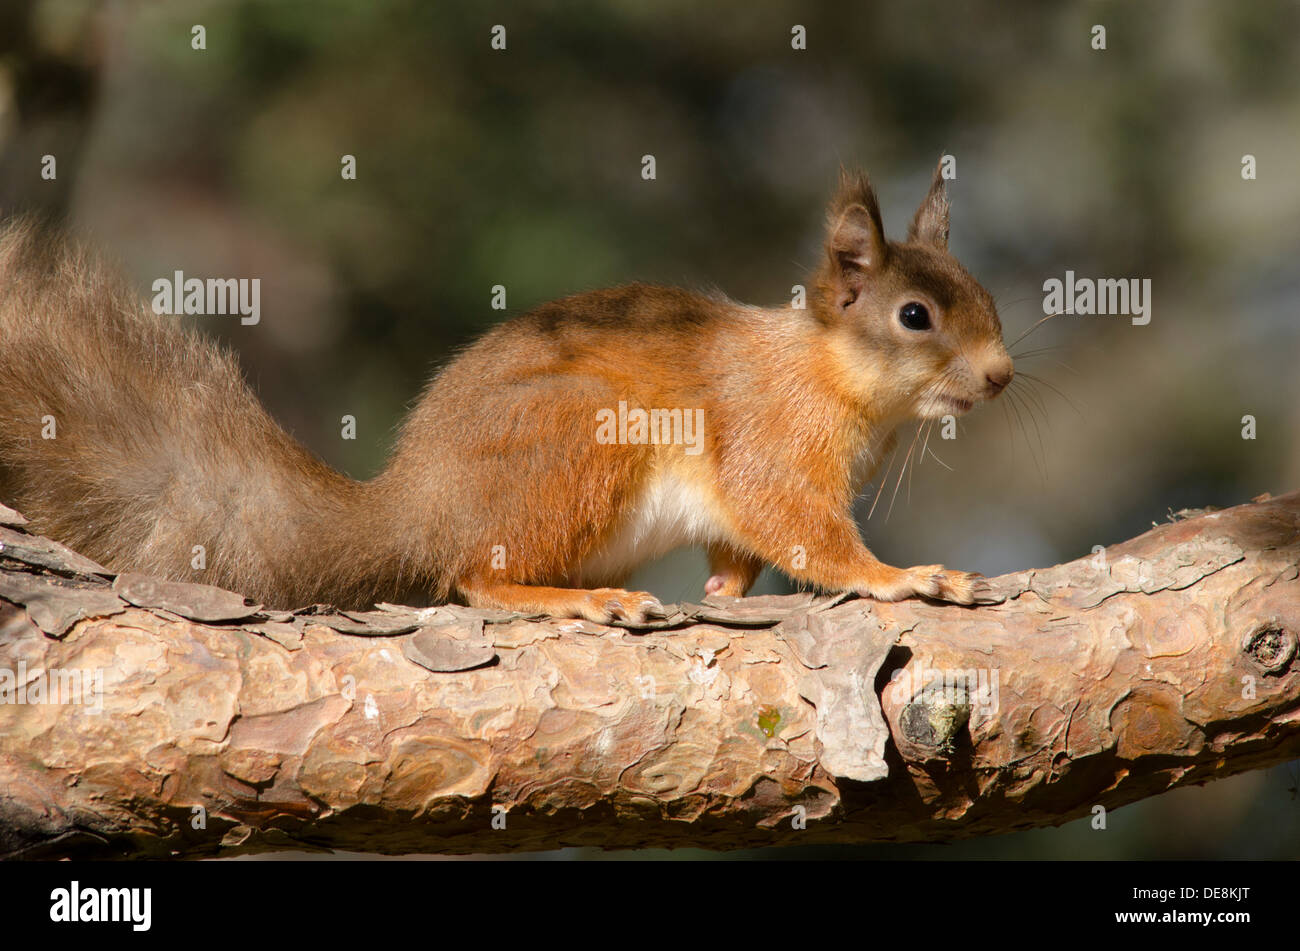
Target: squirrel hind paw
726	585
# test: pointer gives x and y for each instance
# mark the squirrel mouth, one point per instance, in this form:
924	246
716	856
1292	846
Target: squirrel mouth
962	406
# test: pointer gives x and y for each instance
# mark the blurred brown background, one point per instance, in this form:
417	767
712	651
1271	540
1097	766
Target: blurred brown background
522	167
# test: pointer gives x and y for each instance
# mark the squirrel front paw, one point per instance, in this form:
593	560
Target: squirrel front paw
604	605
931	581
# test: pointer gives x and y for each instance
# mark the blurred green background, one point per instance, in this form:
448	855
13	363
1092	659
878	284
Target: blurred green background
522	167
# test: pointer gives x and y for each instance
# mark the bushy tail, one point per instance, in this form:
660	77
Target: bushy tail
138	443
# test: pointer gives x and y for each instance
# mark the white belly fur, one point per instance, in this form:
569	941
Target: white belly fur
670	513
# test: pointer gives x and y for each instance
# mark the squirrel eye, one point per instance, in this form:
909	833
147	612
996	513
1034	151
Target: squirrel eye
914	316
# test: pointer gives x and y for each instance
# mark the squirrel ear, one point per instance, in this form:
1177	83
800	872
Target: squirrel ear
855	238
930	226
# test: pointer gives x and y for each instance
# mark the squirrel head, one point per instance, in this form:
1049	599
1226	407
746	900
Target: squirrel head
912	333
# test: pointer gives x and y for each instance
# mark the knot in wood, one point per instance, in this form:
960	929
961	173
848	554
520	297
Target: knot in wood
1270	647
935	722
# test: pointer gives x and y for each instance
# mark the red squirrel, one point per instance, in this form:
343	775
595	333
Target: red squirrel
524	478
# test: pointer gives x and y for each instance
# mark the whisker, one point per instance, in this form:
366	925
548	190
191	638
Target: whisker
1033	353
926	444
1040	381
881	487
925	427
941	462
1035	326
1002	305
1065	366
1033	421
906	459
940	387
929	392
935	389
1026	391
1019	409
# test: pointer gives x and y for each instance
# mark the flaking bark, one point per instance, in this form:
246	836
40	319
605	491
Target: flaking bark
1169	659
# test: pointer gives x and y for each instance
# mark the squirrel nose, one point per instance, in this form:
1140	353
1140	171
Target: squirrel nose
999	378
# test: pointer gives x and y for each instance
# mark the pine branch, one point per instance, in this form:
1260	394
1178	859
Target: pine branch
1167	660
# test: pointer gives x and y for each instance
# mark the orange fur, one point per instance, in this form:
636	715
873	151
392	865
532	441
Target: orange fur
499	491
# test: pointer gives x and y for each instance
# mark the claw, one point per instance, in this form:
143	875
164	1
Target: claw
606	605
929	581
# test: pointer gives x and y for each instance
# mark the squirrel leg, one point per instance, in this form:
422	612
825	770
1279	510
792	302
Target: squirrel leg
821	546
601	605
731	572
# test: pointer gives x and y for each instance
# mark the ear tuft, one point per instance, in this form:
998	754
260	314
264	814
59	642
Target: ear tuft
930	226
854	189
855	237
